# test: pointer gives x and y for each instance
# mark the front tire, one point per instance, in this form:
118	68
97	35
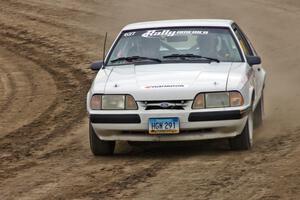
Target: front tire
244	141
100	147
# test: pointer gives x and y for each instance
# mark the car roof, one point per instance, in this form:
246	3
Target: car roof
179	23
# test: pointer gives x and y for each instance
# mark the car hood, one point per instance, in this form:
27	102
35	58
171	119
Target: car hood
163	81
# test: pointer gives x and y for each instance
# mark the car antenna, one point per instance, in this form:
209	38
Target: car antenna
104	47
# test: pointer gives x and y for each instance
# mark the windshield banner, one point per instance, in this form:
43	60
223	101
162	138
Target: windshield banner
167	33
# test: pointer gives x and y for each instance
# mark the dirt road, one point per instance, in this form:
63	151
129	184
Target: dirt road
45	50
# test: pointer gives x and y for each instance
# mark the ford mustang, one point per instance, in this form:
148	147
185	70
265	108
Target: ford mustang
177	80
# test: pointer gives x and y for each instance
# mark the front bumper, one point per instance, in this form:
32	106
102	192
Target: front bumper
194	125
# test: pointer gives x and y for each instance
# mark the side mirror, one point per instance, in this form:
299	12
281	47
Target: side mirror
96	65
253	60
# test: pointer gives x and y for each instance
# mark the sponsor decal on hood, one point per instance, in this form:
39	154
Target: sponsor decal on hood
164	86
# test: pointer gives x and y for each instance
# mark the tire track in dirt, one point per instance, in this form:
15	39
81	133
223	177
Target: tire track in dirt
61	151
53	21
113	190
28	45
47	9
9	90
63	112
213	175
230	170
107	181
26	88
251	168
15	80
37	137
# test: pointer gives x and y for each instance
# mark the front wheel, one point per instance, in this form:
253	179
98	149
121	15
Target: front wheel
243	141
100	147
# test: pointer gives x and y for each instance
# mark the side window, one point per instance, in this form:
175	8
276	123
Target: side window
243	41
251	46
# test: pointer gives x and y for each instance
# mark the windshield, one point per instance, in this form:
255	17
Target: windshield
185	44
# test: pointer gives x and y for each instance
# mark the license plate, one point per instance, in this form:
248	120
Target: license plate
164	125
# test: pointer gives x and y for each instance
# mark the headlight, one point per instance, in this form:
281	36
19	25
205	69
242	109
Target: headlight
218	100
113	102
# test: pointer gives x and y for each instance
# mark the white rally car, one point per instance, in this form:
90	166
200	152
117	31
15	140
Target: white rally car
177	80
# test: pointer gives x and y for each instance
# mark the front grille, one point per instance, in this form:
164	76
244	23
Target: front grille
164	105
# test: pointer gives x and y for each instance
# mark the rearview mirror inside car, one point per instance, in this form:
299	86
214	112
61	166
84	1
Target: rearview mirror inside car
253	60
96	65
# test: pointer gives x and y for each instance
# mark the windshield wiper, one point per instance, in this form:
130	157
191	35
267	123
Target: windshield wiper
132	58
191	56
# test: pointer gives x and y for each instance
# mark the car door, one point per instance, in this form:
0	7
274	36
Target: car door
249	51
